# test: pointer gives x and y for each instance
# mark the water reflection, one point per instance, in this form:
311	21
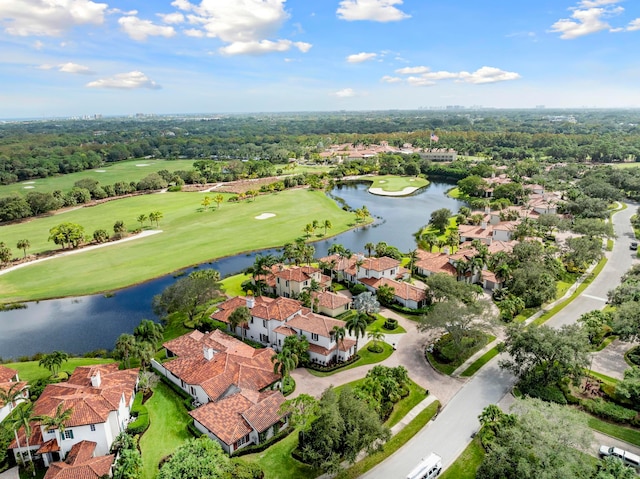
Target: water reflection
78	325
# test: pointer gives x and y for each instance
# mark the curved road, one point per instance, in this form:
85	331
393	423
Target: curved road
450	432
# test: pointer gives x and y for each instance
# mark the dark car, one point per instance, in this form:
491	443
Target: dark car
634	245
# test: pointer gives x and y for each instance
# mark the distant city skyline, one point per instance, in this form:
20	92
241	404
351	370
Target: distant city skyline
122	57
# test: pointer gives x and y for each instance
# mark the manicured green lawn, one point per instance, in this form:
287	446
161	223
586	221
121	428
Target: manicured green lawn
416	396
233	284
632	436
451	367
30	371
277	463
467	464
366	357
393	183
168	428
113	172
481	361
378	324
189	236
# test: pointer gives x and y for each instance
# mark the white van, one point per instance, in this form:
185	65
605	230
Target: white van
629	458
428	468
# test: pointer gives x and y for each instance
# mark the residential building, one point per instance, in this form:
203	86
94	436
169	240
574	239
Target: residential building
82	463
405	294
100	398
9	380
331	304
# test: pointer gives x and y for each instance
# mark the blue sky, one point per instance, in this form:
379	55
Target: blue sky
83	57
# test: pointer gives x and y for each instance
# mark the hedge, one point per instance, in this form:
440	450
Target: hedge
265	445
333	367
390	324
608	410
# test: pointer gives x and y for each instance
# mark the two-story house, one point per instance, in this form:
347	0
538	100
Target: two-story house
233	383
10	382
273	319
82	463
100	398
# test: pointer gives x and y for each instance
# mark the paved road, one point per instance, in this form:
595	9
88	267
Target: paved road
450	432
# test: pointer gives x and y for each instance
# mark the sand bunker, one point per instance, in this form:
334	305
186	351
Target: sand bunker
28	182
142	164
412	179
100	171
264	216
405	192
382	181
28	187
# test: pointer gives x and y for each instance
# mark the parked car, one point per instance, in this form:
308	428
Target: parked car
629	458
634	245
429	468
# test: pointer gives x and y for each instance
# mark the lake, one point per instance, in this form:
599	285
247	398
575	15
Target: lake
86	323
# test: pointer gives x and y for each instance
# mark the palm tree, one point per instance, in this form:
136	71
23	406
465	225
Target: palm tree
381	248
308	253
338	334
145	352
284	362
369	247
206	202
313	287
260	269
155	216
53	361
141	219
125	348
12	395
376	336
239	317
336	248
57	421
356	325
429	240
327	226
315	224
24	245
22	418
218	199
413	256
453	240
149	331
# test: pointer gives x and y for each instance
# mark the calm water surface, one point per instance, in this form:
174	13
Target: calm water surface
86	323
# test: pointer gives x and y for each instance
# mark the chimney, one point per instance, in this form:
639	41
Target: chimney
251	302
445	249
208	353
95	380
483	225
487	210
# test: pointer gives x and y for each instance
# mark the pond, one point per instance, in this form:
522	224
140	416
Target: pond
86	323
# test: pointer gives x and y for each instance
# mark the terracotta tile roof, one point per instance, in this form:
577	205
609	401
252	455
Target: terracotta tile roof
226	418
402	289
49	446
473	231
330	300
285	331
315	323
222	314
192	344
506	246
34	439
89	405
346	344
321	350
7	374
342	263
436	263
8	385
80	464
279	309
296	273
234	363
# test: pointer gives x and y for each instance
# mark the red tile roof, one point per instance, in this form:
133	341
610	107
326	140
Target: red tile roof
401	289
17	386
7	374
80	464
279	308
436	263
330	300
315	323
235	416
296	273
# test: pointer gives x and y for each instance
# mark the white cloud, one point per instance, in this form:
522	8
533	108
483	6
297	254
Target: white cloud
38	45
74	68
172	18
390	79
246	27
345	93
441	75
587	18
374	10
125	81
361	57
141	29
420	81
487	75
412	70
194	32
262	47
634	25
48	17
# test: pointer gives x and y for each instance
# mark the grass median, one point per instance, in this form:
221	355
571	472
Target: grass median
189	236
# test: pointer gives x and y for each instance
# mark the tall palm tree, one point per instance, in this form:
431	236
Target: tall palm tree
308	230
326	224
313	287
429	240
22	419
284	362
413	257
57	421
53	361
261	268
149	331
356	325
376	336
238	317
338	334
155	216
369	247
12	395
125	348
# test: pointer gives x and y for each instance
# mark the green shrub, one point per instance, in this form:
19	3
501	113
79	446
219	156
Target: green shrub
194	430
390	324
333	367
288	385
608	410
547	393
246	470
357	289
265	445
633	355
140	425
137	407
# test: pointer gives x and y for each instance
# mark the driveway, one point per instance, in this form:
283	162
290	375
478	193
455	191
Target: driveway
10	474
610	361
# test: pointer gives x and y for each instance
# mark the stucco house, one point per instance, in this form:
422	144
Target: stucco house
331	304
100	398
405	294
82	463
273	319
9	380
234	384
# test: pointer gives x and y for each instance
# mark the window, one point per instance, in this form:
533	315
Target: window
264	338
243	440
314	336
306	283
93	427
264	323
68	434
